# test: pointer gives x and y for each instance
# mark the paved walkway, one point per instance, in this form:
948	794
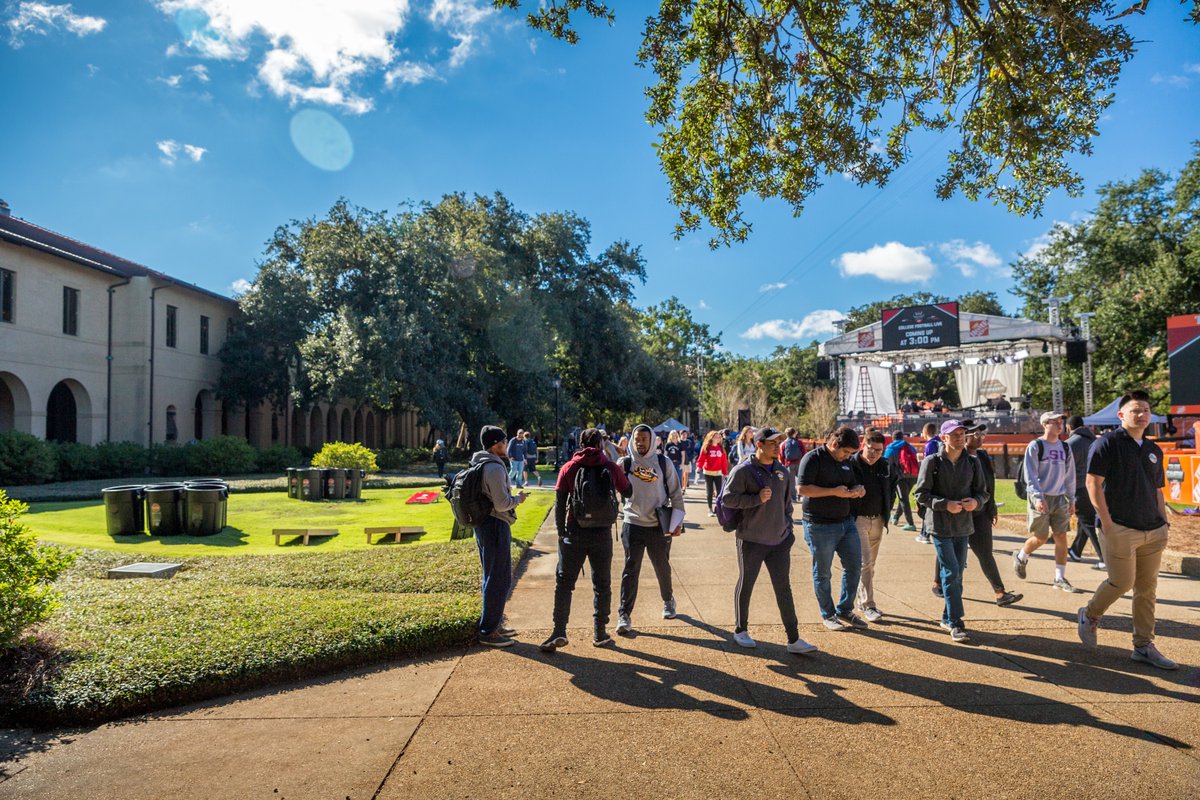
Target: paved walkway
679	711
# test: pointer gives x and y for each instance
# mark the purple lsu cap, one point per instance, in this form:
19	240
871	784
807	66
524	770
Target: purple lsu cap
951	425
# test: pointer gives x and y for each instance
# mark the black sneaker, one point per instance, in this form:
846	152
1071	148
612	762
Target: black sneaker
1008	598
601	638
555	641
494	639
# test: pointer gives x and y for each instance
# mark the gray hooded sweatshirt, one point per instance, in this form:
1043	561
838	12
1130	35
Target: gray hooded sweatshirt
652	487
496	486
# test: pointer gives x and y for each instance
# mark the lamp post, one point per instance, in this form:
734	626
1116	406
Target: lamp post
557	435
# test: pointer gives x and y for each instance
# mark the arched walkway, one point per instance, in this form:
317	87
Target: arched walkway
370	430
16	411
347	426
360	427
316	428
202	415
332	427
69	413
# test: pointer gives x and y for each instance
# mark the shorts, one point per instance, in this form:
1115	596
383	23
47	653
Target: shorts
1057	517
531	467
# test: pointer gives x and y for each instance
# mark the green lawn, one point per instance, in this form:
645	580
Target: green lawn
1007	495
253	516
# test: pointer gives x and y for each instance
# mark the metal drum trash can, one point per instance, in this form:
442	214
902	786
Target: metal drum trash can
215	484
310	484
293	482
164	509
334	486
123	510
354	482
204	510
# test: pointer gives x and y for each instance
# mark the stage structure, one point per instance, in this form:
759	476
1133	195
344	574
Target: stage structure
986	352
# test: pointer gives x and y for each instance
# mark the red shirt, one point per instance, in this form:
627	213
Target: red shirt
713	459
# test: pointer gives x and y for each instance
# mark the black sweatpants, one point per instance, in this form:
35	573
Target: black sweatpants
778	558
712	482
639	541
594	546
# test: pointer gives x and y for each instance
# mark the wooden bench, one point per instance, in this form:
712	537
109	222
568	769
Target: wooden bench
305	533
401	533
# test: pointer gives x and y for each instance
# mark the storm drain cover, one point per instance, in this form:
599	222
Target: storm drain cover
144	569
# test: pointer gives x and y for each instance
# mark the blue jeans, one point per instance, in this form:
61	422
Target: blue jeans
494	540
516	473
952	562
824	539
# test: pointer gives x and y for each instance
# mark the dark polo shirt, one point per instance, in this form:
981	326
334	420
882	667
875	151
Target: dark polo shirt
820	468
1133	477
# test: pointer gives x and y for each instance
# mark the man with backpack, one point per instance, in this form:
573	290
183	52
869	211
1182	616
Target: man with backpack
1080	441
761	493
933	443
791	452
828	483
493	536
1049	475
516	459
902	459
951	487
585	510
653	514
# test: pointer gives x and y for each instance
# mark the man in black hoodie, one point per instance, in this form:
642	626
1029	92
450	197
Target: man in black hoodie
1080	441
585	510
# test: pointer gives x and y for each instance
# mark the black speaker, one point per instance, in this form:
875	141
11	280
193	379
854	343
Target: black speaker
744	418
1077	351
824	370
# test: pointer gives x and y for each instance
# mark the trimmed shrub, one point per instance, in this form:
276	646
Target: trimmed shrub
76	462
399	457
120	459
346	456
24	458
278	459
222	455
169	459
27	571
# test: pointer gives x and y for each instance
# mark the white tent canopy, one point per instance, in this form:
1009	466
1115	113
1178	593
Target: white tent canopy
1108	416
671	424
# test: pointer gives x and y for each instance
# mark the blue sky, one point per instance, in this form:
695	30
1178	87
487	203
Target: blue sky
180	133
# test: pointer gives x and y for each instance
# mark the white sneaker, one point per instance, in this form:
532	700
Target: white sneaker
873	614
743	638
800	647
957	634
1099	565
1087	627
834	624
1149	654
669	609
624	625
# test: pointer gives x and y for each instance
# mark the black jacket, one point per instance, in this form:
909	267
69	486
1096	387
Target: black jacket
941	481
880	484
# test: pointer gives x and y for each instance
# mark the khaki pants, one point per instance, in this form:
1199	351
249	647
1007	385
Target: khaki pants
870	532
1133	558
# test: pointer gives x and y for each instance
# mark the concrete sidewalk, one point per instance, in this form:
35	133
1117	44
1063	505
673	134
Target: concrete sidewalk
680	711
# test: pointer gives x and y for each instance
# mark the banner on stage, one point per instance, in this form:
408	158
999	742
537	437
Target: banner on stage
921	327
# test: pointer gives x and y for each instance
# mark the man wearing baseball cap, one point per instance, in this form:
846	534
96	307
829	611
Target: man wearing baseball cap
762	489
952	486
1050	475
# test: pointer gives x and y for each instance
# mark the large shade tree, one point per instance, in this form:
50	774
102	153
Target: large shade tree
767	97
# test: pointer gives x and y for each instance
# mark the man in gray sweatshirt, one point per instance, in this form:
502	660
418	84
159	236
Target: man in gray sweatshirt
493	537
1050	476
763	490
655	485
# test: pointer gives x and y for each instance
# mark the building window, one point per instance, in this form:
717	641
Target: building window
8	295
172	325
70	311
172	426
204	335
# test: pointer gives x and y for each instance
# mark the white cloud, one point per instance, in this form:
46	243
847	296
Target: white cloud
771	287
240	286
410	73
1193	68
894	262
818	323
1174	81
92	70
703	306
171	149
533	46
969	258
41	18
319	52
199	72
172	80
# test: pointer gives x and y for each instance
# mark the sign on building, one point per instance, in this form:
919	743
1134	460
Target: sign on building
1183	355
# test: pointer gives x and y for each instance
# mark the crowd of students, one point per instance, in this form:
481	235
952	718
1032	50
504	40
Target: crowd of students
849	487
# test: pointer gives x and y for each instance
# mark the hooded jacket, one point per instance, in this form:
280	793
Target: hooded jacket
905	455
496	487
587	457
1080	442
651	487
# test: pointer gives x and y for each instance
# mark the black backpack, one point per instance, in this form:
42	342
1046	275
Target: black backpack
1020	486
464	490
593	499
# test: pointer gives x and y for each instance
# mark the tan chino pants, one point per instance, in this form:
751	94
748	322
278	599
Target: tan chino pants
1133	558
870	532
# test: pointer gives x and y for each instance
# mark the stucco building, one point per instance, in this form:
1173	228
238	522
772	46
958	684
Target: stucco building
94	348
